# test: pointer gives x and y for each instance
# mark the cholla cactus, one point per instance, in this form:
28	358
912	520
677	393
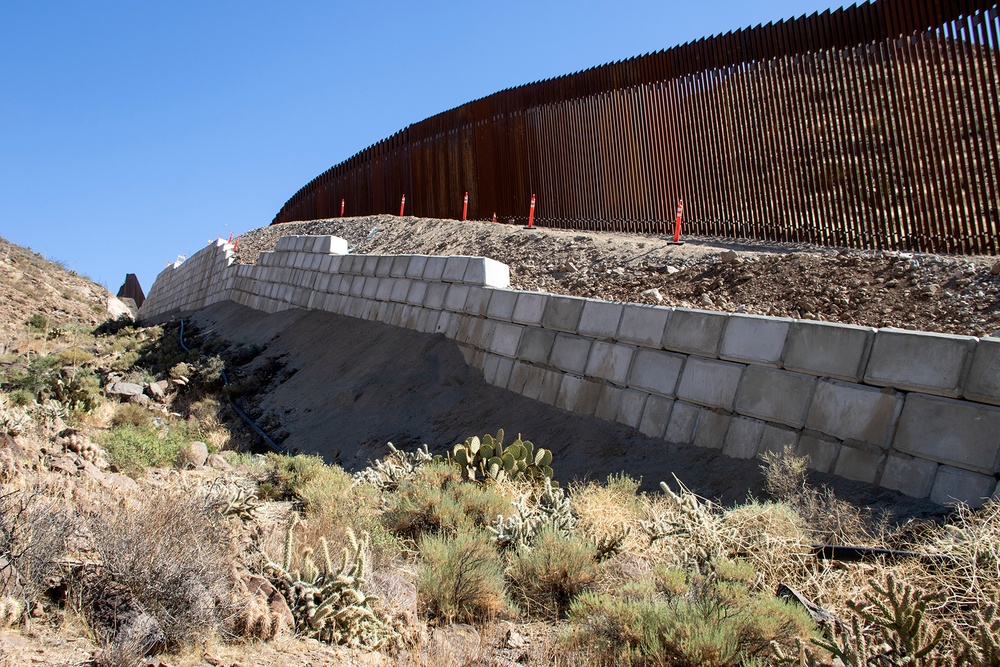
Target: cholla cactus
486	458
694	520
327	602
229	498
11	611
387	473
535	510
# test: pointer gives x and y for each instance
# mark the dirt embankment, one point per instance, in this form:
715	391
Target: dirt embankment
958	295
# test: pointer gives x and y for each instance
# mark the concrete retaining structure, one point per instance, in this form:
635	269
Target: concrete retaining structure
913	412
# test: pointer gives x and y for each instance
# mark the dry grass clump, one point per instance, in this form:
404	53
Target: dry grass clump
769	536
827	517
35	530
611	510
969	580
173	558
131	414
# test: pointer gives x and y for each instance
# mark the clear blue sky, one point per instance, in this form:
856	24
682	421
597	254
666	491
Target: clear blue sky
131	132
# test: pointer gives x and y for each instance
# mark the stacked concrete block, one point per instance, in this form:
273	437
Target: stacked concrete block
859	464
694	332
754	339
600	319
983	383
853	412
775	396
655	416
562	313
957	433
609	361
570	353
917	361
656	372
710	383
643	325
917	413
743	437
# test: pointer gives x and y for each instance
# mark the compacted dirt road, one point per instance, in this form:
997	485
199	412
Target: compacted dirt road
947	294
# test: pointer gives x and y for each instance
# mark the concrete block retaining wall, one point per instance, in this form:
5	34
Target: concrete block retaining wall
912	411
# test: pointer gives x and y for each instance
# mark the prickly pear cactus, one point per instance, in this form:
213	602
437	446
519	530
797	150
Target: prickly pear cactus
487	459
327	602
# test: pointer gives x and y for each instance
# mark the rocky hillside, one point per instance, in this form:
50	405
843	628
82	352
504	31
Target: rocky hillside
31	284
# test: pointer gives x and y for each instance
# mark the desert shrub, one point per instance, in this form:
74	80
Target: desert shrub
131	414
284	477
211	370
710	626
35	527
111	327
784	473
74	356
436	499
35	376
21	398
825	515
173	557
545	578
38	322
132	449
460	577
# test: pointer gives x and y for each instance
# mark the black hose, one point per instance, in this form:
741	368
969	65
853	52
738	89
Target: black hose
243	415
852	554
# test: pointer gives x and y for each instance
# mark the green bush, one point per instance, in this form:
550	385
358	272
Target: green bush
708	621
546	578
74	356
460	578
437	500
38	322
133	448
21	398
285	477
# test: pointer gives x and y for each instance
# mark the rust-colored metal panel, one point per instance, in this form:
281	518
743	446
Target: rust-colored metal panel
877	125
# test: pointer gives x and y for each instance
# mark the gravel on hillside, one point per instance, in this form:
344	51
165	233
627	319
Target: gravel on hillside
947	294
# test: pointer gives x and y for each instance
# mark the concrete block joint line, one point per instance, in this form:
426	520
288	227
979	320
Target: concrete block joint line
914	412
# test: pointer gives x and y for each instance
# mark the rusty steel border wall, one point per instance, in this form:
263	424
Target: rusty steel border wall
874	126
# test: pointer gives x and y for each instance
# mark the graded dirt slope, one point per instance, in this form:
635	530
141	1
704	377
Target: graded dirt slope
348	386
958	295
